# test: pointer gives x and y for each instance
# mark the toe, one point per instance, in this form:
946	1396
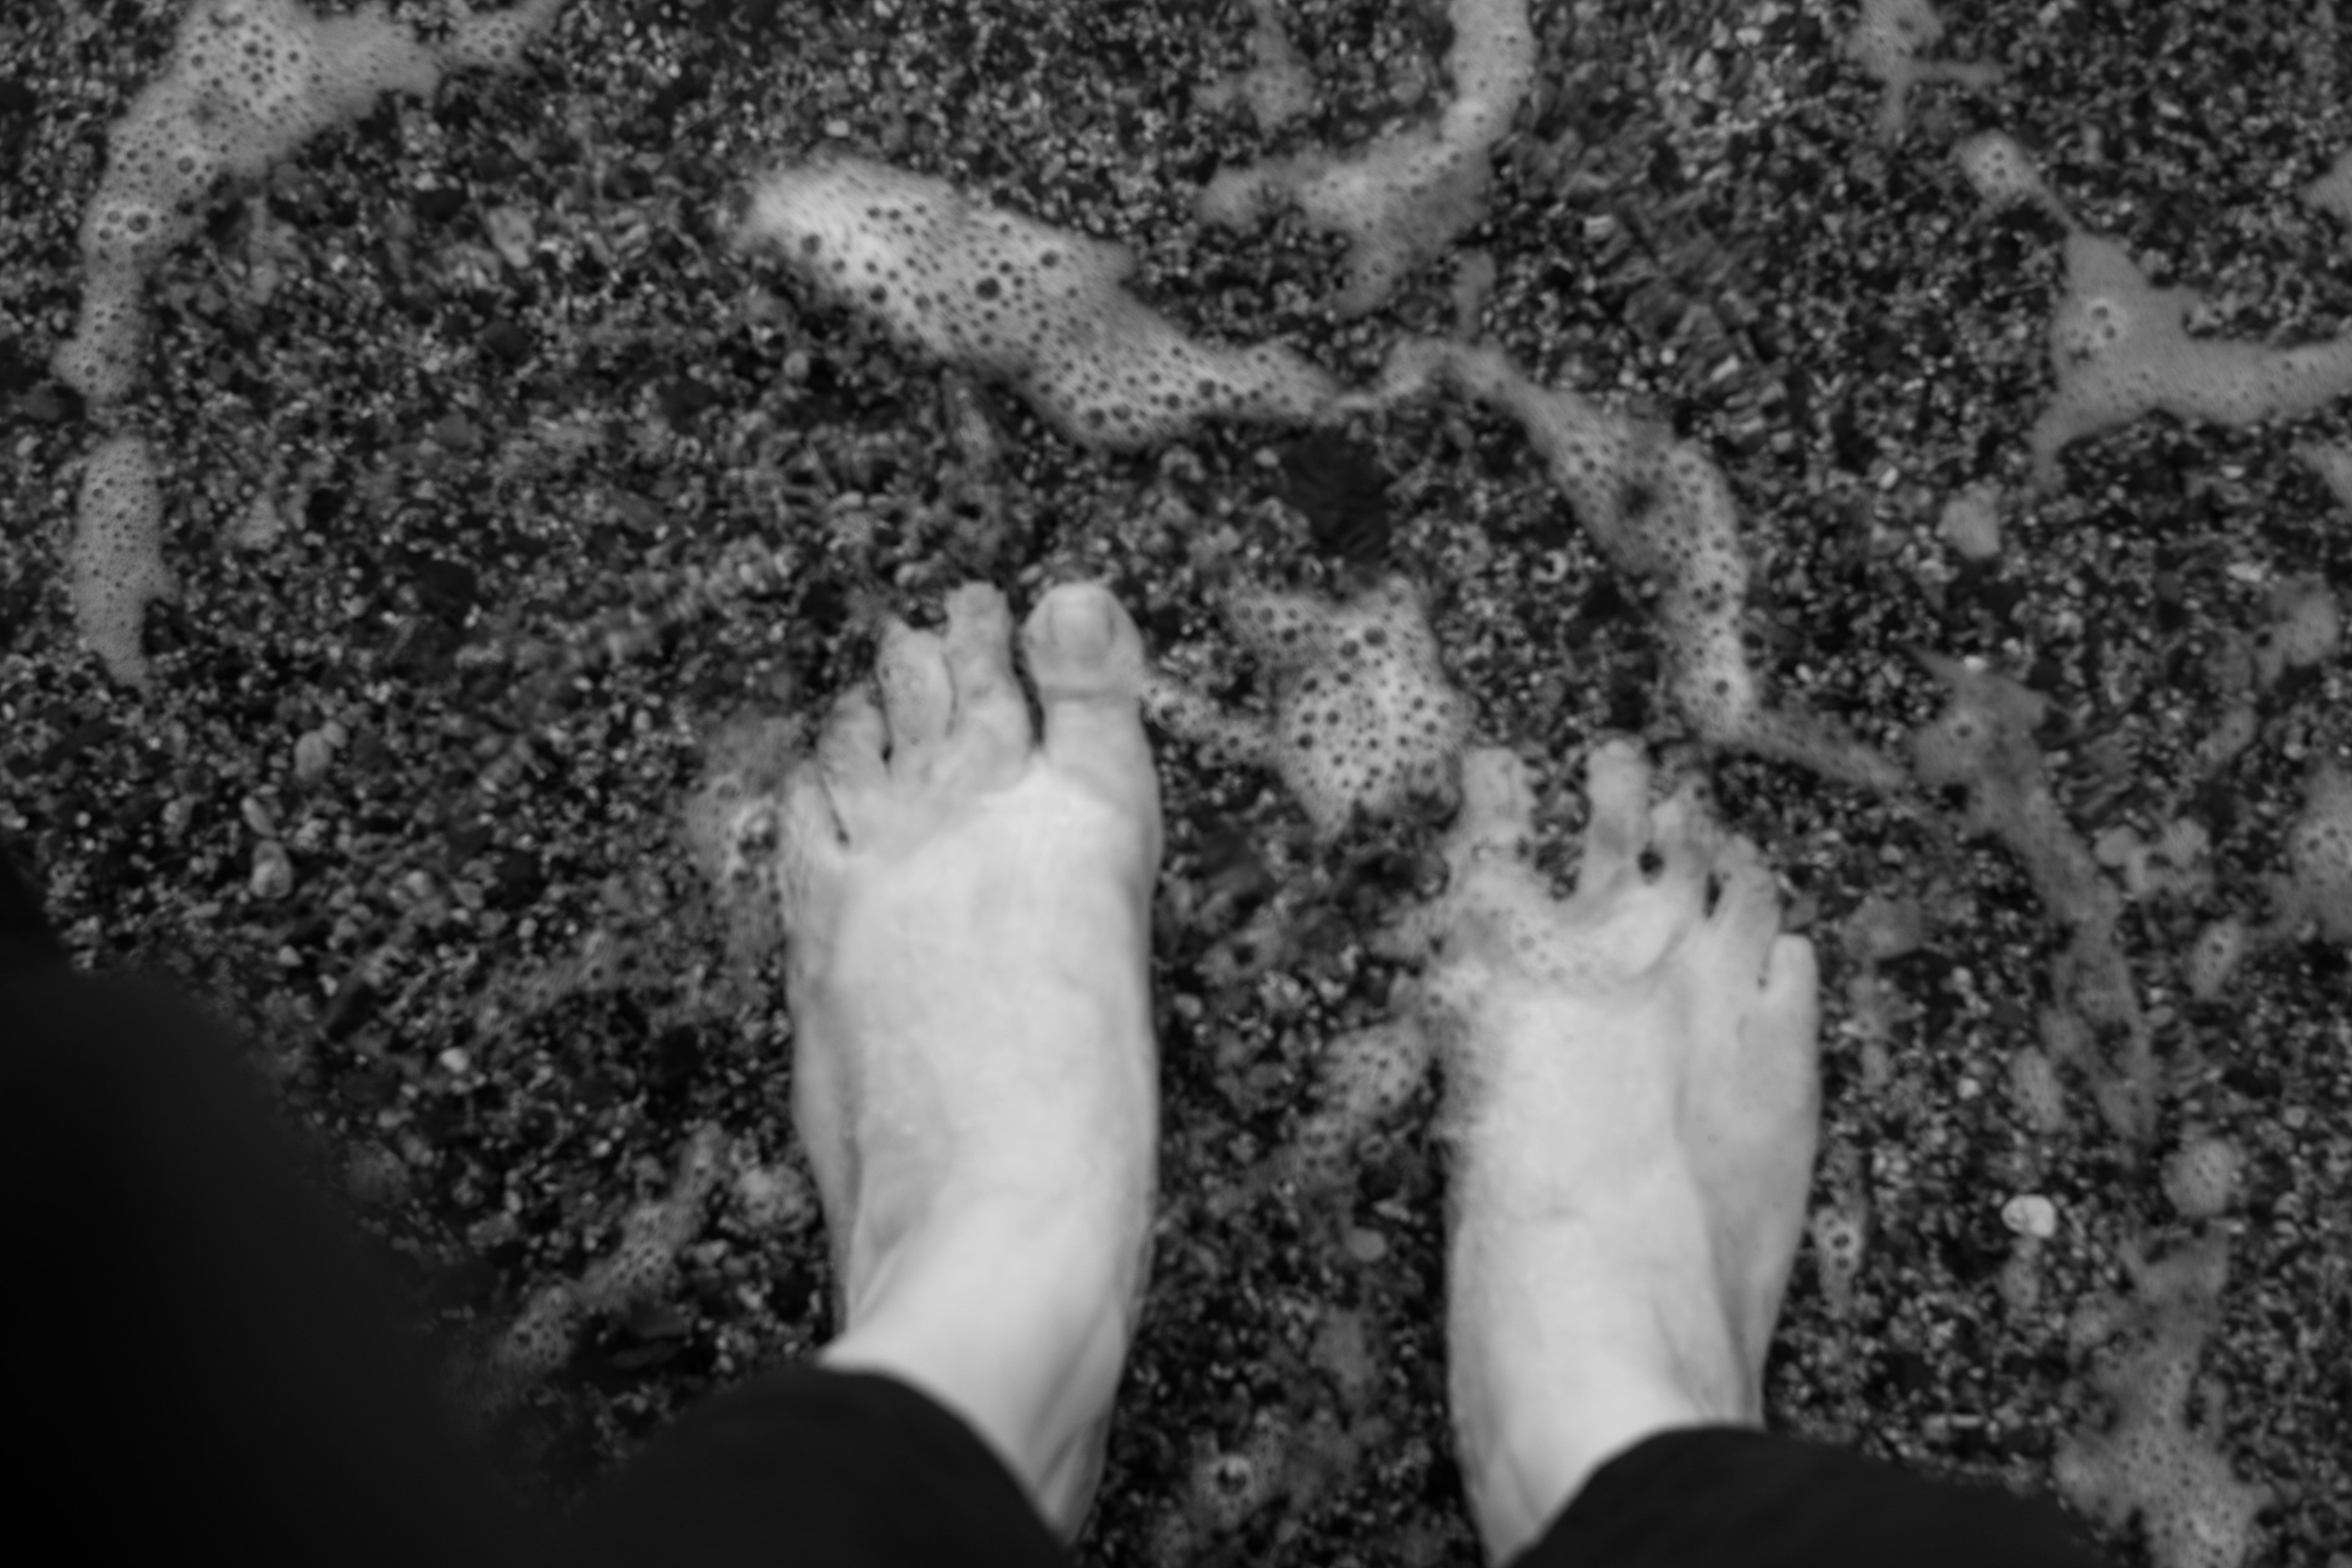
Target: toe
990	734
916	695
849	756
1746	909
1685	838
1617	789
1086	658
809	842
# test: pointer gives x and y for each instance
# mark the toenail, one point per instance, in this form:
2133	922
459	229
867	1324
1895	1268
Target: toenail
1081	625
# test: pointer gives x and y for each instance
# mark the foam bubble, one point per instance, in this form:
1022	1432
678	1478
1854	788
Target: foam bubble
2319	855
1278	88
1888	39
1363	715
2121	350
2214	957
2149	1463
247	81
2000	170
1043	308
2307	627
1403	199
2203	1178
1658	508
2332	192
118	554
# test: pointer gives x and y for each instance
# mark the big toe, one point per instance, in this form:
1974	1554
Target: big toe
1086	657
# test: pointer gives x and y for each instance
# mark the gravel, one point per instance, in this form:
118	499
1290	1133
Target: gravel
562	492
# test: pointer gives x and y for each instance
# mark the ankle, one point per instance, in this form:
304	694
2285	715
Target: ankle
1558	1367
1018	1327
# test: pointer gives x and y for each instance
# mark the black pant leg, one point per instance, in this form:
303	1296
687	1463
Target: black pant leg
819	1470
1731	1496
209	1367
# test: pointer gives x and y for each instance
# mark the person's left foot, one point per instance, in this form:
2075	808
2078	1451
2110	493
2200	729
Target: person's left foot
968	914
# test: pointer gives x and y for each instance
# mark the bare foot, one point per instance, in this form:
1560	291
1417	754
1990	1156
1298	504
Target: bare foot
1633	1105
974	1073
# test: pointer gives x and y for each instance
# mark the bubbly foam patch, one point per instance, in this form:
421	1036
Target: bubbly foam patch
2307	627
117	565
543	1335
2333	463
1278	86
1366	1075
247	81
1887	41
1042	308
2004	175
2203	1178
2332	192
2122	349
2151	1462
2320	857
1403	199
1363	715
1983	744
1659	509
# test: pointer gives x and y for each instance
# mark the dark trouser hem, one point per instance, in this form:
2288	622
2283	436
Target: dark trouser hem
817	1469
209	1365
1731	1496
205	1363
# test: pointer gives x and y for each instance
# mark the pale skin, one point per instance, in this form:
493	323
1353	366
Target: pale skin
1633	1099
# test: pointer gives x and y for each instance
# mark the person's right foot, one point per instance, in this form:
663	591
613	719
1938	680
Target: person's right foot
1633	1105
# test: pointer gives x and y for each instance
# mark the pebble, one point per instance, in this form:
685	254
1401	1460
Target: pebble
273	870
258	816
314	752
1366	1246
2031	1214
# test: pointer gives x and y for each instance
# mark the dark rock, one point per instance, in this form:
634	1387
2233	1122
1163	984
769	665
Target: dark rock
678	1057
508	341
51	403
469	1282
518	881
449	588
1337	484
686	87
438	205
18	374
684	398
78	740
1907	1372
368	1087
353	1003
